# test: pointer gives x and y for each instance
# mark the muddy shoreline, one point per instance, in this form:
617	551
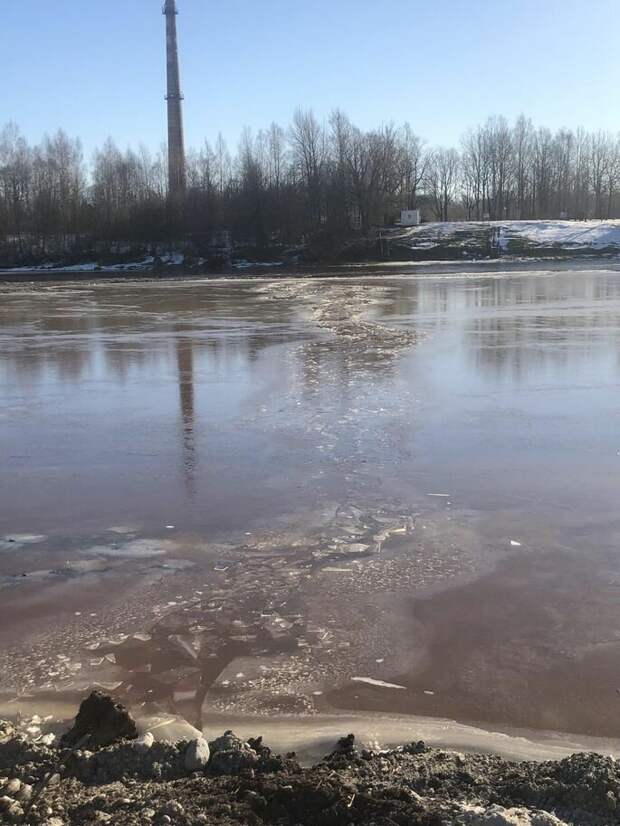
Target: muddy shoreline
228	780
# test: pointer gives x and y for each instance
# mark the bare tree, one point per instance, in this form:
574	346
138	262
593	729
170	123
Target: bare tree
303	182
442	180
15	183
414	161
522	141
601	152
309	148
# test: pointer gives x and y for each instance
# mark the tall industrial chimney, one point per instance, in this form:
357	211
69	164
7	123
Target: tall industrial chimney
176	150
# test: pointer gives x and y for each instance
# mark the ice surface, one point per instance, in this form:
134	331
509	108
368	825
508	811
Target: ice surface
136	549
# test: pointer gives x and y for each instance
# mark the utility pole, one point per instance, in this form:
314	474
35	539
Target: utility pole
176	148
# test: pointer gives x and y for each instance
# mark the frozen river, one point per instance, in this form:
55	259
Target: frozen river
383	492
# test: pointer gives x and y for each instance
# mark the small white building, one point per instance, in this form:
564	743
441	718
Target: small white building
409	217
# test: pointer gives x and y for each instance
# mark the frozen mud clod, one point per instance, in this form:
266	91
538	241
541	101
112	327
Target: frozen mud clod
100	722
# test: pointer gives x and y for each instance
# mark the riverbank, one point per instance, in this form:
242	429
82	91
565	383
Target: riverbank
12	279
139	780
473	242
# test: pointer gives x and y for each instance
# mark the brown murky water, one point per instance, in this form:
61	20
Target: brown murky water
393	493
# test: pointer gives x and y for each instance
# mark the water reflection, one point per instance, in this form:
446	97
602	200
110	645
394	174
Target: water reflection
115	375
89	334
515	328
185	365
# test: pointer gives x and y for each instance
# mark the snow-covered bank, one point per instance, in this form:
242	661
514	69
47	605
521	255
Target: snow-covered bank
175	262
513	237
566	235
85	268
143	265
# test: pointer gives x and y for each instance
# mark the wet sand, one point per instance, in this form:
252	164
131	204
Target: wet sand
377	494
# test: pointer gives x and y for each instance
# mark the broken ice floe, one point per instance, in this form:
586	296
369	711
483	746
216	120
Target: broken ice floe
342	310
378	683
15	541
134	549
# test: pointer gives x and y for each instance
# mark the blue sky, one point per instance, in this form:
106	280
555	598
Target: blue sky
96	67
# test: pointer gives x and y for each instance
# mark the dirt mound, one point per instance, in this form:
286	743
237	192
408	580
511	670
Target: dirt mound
145	782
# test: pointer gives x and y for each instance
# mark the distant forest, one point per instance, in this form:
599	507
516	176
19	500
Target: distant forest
290	185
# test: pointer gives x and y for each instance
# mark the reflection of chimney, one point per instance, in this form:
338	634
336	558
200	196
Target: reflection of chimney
185	366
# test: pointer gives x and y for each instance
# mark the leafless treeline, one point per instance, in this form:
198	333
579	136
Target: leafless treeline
313	177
